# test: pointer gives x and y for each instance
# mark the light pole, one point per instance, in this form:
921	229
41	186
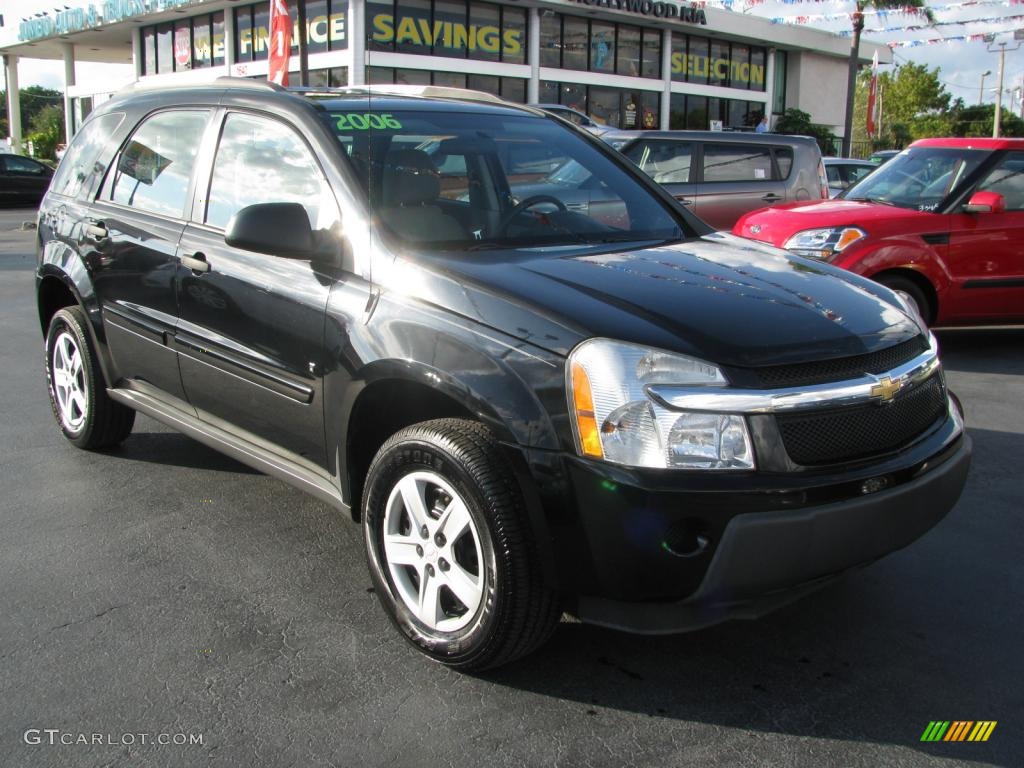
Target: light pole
981	89
999	89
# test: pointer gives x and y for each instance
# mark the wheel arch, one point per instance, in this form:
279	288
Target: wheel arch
920	280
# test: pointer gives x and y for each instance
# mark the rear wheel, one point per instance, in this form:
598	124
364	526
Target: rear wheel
911	291
449	550
86	415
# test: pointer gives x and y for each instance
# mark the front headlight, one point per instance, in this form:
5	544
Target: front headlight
823	244
614	418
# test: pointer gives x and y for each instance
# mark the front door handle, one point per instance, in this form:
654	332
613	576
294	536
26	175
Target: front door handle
96	230
771	197
684	200
196	262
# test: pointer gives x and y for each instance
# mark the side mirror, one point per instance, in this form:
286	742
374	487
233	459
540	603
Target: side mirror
985	202
279	229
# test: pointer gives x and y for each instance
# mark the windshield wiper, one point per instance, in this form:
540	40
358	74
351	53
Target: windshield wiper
879	200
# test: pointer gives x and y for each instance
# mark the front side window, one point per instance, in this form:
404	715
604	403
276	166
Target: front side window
918	178
154	169
1007	179
453	181
737	162
263	161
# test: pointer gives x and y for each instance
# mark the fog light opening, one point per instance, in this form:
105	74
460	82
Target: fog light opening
874	485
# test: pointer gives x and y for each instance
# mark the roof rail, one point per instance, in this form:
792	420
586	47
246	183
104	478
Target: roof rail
224	82
397	89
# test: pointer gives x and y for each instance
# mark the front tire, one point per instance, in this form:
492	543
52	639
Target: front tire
78	396
449	550
911	291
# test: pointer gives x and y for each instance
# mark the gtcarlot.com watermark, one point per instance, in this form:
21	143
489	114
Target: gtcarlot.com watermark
57	737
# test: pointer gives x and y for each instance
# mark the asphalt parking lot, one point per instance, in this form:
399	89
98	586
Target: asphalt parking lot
165	589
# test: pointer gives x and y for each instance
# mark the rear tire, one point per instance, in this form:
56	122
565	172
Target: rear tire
449	549
78	395
911	290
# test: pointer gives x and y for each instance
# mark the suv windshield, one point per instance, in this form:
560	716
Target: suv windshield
471	181
919	178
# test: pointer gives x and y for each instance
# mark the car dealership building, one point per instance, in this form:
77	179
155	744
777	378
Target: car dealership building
630	64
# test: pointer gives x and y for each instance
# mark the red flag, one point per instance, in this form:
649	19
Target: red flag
280	42
873	99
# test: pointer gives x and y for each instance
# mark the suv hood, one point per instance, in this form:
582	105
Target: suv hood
720	298
777	224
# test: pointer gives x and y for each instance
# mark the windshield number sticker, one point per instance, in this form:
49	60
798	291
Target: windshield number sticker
365	122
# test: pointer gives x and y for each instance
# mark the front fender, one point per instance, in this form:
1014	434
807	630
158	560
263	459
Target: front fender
910	253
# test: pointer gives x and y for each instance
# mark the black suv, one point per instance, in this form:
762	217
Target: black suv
531	406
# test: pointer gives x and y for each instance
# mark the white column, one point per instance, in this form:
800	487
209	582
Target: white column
68	49
137	53
13	102
666	78
769	85
533	57
357	41
230	55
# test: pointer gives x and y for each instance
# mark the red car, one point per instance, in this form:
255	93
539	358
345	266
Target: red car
942	223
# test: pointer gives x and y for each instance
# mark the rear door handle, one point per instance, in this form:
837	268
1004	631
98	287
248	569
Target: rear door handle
196	262
684	200
771	197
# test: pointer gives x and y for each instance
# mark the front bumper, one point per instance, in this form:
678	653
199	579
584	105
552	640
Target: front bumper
765	559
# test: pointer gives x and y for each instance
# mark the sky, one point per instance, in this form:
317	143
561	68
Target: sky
961	63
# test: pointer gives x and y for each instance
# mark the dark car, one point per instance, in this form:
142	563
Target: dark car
528	408
720	176
882	156
23	181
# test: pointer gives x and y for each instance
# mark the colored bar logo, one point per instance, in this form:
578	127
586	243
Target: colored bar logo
958	730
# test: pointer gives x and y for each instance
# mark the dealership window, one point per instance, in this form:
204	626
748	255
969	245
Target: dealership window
317	25
509	88
625	108
651	64
717	62
164	48
149	50
688	112
451	28
572	42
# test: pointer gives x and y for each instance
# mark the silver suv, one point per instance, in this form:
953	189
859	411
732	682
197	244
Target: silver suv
721	176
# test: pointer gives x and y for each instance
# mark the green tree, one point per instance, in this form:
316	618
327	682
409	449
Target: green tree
915	105
46	131
977	119
858	28
34	99
798	123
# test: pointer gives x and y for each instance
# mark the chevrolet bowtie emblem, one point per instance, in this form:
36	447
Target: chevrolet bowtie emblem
886	389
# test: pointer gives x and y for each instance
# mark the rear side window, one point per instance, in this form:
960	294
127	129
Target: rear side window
263	161
83	165
737	162
154	169
667	162
1007	179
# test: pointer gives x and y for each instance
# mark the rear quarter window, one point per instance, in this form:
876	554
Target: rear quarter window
738	162
84	162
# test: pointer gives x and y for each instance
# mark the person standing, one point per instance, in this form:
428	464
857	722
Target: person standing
762	127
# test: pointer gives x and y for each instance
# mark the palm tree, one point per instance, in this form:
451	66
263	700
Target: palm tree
858	27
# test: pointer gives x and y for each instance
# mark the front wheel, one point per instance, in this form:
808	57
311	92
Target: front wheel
449	550
911	291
